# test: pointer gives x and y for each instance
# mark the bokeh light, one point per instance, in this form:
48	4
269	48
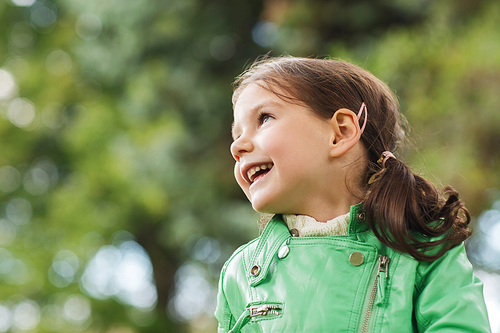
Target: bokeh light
22	3
21	112
15	271
8	87
88	26
7	232
484	250
64	268
26	315
58	63
5	318
77	310
222	47
10	179
194	293
206	249
36	181
22	35
43	14
124	272
483	245
265	33
19	211
53	317
491	297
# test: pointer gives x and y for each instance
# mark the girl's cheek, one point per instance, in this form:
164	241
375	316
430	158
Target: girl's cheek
240	180
237	175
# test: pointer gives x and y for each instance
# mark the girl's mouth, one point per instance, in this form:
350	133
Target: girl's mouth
258	171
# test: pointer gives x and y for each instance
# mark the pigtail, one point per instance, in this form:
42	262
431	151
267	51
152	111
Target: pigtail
406	212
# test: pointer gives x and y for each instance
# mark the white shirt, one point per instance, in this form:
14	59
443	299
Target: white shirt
309	227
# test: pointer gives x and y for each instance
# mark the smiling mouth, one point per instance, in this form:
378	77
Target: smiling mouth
258	171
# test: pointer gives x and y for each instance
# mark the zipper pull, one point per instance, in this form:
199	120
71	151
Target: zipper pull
254	311
265	310
383	268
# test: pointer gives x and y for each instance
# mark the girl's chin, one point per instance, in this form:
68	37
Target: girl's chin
264	207
258	206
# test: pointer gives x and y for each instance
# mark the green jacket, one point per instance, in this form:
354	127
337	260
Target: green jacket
352	283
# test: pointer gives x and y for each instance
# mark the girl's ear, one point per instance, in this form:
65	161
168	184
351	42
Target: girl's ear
345	132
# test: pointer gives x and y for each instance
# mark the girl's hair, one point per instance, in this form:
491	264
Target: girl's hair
404	210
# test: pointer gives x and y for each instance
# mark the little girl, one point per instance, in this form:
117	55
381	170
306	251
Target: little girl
357	243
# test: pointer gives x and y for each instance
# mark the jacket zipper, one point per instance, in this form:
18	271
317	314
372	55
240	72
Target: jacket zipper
264	310
378	289
255	311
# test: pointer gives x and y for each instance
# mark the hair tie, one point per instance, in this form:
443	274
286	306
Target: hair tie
360	112
384	157
381	161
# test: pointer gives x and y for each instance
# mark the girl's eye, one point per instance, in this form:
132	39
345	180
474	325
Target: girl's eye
264	117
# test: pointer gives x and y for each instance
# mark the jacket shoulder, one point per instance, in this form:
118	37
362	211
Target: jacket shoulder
236	257
229	273
449	294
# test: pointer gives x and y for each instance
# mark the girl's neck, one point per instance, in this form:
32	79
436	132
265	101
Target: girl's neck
342	188
341	208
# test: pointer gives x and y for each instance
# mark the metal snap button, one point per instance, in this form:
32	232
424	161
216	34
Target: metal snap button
356	258
283	251
294	232
255	270
361	216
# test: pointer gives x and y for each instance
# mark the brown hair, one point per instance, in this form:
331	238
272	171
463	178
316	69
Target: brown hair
400	206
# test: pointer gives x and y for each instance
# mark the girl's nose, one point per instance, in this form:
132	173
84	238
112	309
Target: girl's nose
239	147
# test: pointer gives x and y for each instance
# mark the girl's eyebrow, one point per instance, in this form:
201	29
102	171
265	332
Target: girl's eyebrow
256	109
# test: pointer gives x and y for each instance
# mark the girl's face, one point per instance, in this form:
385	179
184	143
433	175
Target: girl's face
282	153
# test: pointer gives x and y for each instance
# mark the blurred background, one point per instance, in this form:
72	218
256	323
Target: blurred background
118	206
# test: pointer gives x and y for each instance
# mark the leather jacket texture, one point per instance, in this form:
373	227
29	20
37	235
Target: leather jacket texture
350	283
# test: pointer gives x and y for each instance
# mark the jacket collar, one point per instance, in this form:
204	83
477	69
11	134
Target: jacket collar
357	220
276	233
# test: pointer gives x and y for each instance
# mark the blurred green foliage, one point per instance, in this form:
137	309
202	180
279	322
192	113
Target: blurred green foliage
115	173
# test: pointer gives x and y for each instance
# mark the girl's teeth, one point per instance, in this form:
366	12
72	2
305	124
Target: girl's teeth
256	169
